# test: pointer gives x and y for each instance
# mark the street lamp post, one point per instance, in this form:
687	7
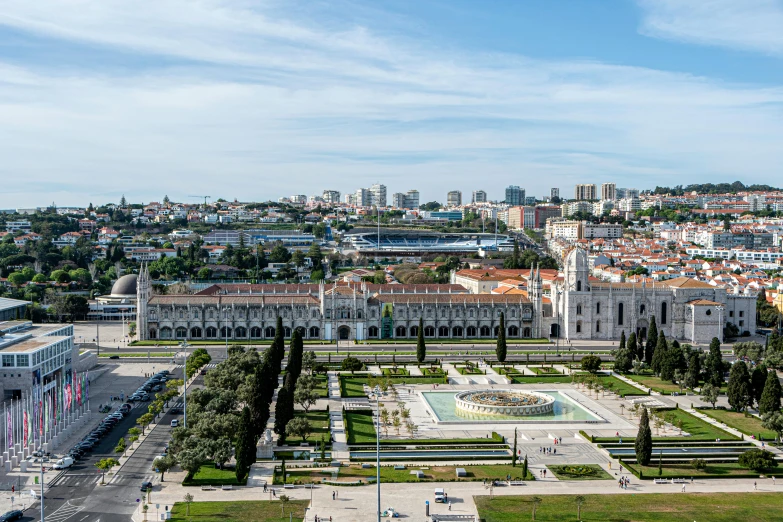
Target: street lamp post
225	325
377	391
557	333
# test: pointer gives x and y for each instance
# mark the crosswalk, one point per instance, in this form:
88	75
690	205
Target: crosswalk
75	479
64	512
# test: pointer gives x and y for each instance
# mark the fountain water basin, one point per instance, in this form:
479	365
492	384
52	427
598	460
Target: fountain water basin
512	403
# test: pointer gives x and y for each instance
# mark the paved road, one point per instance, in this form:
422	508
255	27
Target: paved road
75	494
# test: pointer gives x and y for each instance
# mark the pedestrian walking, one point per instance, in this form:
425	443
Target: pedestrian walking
449	506
683	488
773	480
333	495
755	486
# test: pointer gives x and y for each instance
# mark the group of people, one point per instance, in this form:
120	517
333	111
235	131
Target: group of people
542	449
542	473
623	482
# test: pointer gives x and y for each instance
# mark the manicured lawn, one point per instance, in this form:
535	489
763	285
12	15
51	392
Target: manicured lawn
319	420
619	387
458	341
237	511
437	372
469	370
580	472
321	386
747	425
685	470
395	371
355	472
657	507
208	475
359	426
655	383
541	379
544	370
698	428
353	386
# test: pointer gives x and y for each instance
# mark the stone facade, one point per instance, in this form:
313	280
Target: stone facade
684	308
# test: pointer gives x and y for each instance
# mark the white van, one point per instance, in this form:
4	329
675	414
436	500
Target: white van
63	463
175	423
440	495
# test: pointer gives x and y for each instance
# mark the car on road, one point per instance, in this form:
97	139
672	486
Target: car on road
174	423
145	398
63	463
11	515
126	407
146	486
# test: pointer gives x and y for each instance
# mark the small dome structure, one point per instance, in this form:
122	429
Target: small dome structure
125	286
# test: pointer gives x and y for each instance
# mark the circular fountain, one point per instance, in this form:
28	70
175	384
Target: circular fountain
503	402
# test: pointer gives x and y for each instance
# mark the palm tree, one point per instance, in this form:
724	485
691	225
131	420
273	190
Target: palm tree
579	499
536	501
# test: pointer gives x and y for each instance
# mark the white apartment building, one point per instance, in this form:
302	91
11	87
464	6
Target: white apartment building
454	198
608	191
378	195
479	196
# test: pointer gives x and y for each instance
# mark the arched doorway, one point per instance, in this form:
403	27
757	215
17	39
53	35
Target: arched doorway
554	330
344	333
641	330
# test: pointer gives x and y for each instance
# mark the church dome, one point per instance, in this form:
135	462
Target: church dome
125	286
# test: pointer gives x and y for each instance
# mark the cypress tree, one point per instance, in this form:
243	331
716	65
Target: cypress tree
770	397
500	349
244	442
652	341
284	410
636	351
713	368
694	369
738	389
622	340
259	397
514	453
295	353
524	468
643	444
659	354
421	348
758	379
278	346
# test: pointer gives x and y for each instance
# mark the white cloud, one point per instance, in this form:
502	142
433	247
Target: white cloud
752	25
263	106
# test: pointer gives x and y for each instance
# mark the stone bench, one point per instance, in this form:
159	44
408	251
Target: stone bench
661	481
289	486
399	466
207	488
516	483
226	487
680	481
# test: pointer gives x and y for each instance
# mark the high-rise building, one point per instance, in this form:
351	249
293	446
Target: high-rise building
363	198
412	199
332	196
479	196
298	199
554	193
530	200
623	193
608	191
378	195
398	200
454	198
585	192
515	196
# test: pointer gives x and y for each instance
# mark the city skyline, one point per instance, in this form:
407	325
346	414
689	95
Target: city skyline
255	99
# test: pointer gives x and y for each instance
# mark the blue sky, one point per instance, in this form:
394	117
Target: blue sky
257	99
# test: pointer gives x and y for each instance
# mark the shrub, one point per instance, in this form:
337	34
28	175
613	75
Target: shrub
698	464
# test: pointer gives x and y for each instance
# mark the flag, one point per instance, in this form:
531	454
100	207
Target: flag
78	391
68	397
24	443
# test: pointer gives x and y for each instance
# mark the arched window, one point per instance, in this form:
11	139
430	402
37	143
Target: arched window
372	331
485	331
457	331
255	314
471	313
443	331
181	332
153	333
195	332
579	327
255	332
471	331
314	313
620	313
444	313
642	309
485	313
578	286
429	331
598	307
513	312
269	332
153	315
598	326
513	331
225	332
579	309
315	332
195	314
526	332
211	332
663	312
211	314
414	331
165	333
286	332
165	316
401	331
358	314
240	332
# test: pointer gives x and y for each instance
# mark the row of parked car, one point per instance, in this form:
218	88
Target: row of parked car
94	437
153	385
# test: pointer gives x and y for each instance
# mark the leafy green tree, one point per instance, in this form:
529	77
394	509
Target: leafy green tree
623	356
591	363
757	460
774	421
694	370
105	465
652	342
305	394
245	446
164	464
298	427
758	380
643	444
284	412
738	390
770	396
421	348
500	349
351	364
